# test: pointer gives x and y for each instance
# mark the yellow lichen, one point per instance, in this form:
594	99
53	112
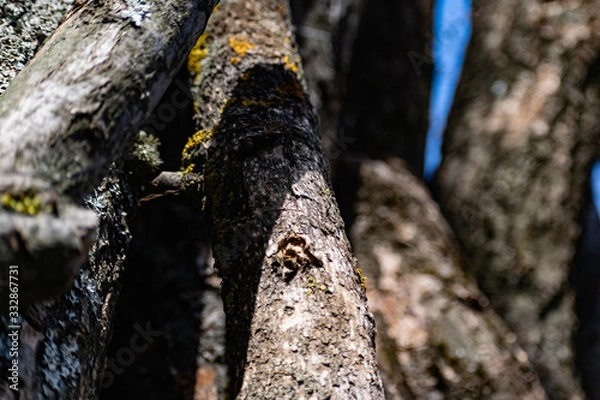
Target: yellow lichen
240	45
26	202
192	143
362	279
290	65
189	169
222	109
235	60
197	54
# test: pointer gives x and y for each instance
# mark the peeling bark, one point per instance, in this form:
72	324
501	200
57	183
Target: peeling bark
437	337
297	323
520	141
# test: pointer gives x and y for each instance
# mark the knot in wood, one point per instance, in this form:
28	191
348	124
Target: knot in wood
294	255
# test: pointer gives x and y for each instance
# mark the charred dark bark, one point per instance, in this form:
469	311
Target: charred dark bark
519	145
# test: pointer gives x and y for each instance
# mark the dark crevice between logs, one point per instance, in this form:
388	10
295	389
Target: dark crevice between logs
165	279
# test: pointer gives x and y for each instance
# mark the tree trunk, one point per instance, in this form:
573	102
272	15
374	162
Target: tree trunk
69	113
326	31
386	103
62	343
170	283
520	141
297	323
435	328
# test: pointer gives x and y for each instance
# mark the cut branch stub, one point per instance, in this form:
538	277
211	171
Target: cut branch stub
46	237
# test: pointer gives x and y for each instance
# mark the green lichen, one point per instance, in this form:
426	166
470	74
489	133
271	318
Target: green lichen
145	149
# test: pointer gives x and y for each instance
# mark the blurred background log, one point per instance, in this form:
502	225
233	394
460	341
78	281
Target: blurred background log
520	142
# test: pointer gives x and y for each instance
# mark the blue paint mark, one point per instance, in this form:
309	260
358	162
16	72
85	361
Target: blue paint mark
451	33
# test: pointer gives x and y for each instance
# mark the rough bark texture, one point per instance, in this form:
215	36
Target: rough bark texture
24	25
326	31
520	139
72	110
437	338
62	343
46	237
297	323
94	81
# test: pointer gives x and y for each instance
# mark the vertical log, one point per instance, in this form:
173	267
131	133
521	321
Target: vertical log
297	323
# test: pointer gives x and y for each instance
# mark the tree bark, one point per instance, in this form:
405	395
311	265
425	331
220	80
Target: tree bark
326	31
520	141
62	343
170	282
297	323
24	25
70	113
435	328
386	103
